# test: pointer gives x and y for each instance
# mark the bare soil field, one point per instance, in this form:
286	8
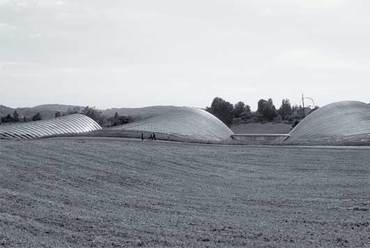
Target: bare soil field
105	192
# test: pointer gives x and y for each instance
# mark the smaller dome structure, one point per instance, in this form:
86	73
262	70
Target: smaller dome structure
341	123
183	122
70	124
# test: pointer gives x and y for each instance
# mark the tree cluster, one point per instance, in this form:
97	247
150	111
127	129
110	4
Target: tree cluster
104	121
15	117
266	111
222	109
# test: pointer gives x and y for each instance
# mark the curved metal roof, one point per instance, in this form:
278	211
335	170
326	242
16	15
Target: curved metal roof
338	123
191	123
71	124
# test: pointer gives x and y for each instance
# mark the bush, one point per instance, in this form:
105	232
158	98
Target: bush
117	120
37	117
7	119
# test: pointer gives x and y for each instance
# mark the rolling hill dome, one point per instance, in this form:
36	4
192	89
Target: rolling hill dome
341	123
186	122
71	124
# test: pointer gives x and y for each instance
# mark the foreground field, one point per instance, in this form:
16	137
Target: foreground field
95	192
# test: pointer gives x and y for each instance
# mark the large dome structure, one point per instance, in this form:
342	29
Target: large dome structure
341	123
71	124
181	122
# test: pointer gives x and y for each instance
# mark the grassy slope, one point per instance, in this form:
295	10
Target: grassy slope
261	128
91	192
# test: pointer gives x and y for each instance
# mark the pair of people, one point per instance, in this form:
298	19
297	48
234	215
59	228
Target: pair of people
152	136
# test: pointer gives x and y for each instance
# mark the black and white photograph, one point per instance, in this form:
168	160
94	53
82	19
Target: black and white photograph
198	123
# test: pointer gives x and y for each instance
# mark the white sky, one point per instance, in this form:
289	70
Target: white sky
131	53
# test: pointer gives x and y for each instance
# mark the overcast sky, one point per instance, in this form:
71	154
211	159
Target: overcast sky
131	53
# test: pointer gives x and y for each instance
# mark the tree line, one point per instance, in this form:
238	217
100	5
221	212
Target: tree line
15	117
266	111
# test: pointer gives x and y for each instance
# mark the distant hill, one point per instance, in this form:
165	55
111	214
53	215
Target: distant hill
137	113
4	110
47	111
56	107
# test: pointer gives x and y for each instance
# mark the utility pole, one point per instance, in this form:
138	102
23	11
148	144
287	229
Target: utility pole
304	114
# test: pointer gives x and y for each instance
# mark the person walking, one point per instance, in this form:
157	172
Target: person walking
142	136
